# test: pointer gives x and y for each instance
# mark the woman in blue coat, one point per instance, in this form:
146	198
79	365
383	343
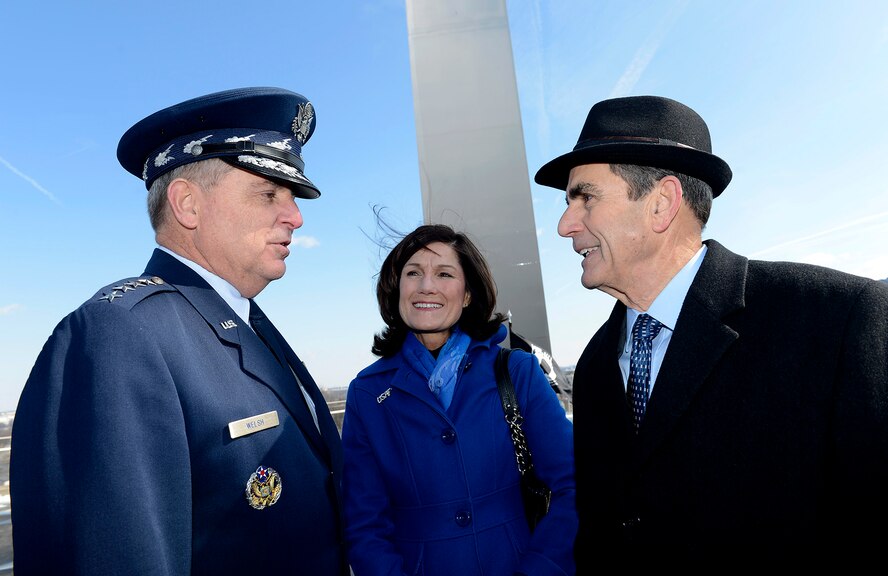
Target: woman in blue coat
431	484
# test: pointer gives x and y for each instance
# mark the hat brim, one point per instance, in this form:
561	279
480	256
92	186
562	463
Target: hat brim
301	186
707	167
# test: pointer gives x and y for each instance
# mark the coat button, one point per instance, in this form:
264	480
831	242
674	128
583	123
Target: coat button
448	436
463	517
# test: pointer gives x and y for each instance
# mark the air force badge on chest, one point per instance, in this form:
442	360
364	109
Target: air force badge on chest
253	424
263	488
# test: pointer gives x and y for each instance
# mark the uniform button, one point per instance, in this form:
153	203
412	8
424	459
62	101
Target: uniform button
448	436
463	517
468	365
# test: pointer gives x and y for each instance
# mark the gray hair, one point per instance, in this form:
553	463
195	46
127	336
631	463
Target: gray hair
204	173
641	179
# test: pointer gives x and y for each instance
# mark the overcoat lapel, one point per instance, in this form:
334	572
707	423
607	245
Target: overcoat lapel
613	338
228	326
698	342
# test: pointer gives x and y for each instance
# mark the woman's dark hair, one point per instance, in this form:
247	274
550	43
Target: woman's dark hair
478	319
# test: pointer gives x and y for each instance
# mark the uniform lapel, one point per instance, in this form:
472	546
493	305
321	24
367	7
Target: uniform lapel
256	359
292	395
206	301
698	342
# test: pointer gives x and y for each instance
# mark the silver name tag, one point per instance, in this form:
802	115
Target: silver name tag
253	424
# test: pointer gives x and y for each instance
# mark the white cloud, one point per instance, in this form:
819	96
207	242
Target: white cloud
646	52
633	72
823	259
875	268
306	241
868	265
29	180
871	220
9	309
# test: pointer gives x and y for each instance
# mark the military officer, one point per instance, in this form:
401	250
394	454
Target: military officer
167	427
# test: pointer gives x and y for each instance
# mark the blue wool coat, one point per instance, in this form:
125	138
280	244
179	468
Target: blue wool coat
122	461
435	492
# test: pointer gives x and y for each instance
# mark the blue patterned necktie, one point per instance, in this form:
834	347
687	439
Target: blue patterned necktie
645	330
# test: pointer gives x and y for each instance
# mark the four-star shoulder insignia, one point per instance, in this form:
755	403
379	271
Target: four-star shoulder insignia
119	291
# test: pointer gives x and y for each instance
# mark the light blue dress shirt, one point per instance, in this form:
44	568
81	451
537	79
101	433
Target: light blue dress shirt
229	293
665	308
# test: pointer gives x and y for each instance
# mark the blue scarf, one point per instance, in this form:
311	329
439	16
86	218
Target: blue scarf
441	373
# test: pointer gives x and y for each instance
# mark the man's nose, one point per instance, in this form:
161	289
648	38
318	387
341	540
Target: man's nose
568	223
292	215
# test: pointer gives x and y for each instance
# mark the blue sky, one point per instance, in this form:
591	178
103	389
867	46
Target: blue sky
794	93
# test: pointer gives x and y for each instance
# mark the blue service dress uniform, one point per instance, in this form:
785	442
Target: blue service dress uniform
122	457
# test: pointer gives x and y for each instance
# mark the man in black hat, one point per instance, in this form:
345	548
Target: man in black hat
730	411
167	427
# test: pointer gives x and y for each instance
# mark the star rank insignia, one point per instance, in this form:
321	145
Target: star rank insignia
119	291
110	297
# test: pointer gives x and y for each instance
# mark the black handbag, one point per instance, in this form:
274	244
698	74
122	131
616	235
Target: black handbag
534	492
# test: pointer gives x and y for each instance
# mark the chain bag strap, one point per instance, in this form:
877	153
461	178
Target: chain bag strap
534	492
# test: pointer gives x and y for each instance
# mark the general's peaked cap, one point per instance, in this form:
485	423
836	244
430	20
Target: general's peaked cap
261	130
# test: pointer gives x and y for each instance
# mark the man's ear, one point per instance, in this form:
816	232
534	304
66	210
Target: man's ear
183	201
666	200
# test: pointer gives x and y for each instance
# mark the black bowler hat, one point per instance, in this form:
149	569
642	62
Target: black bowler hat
261	130
644	131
